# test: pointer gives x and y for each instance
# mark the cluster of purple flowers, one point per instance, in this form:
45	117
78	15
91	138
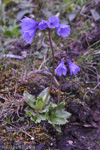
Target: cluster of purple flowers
30	26
62	70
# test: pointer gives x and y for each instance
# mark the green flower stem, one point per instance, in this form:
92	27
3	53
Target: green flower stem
59	93
52	77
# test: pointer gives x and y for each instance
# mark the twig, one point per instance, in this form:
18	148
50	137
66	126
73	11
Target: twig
12	56
3	98
44	61
21	130
96	86
91	90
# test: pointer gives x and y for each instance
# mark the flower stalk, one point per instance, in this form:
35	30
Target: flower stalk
59	93
52	77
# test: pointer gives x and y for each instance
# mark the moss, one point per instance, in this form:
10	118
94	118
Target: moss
97	142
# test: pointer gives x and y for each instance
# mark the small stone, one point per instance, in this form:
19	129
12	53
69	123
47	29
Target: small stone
32	138
70	142
51	144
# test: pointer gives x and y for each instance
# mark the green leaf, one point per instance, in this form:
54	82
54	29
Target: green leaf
22	13
13	32
58	120
39	103
72	16
61	112
43	94
30	99
40	117
36	117
30	111
58	117
24	4
38	55
68	4
8	33
57	127
32	114
33	118
95	14
47	13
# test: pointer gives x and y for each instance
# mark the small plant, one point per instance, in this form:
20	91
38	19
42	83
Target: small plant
52	113
41	108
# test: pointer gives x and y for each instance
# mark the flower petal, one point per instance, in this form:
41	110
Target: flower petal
74	69
43	25
63	30
53	22
61	69
28	29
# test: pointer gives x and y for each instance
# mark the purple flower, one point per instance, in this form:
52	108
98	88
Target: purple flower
43	25
29	35
28	29
63	30
28	23
74	69
53	22
61	69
